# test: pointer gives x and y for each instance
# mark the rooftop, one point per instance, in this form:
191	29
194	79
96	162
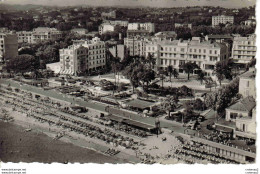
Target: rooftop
247	104
249	74
140	104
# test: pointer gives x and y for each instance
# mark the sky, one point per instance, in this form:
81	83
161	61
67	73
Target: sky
151	3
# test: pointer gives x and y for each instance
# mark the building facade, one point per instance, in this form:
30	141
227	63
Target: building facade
216	20
84	56
136	46
178	52
73	60
244	49
8	46
247	86
79	31
106	27
148	26
25	36
45	33
118	51
177	25
111	14
243	114
118	22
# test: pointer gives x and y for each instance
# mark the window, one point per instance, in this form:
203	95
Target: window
247	84
233	115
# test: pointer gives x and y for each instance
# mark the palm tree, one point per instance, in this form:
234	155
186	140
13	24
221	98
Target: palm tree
170	71
175	73
219	71
201	76
162	75
189	67
151	60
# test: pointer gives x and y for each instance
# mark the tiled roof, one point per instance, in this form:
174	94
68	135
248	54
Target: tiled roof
249	74
247	104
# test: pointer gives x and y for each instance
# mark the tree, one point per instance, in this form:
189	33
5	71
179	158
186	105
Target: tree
220	72
116	67
162	74
170	71
175	73
151	61
21	64
189	67
170	104
146	76
201	76
131	72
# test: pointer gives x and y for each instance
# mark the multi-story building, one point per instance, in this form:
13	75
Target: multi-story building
38	34
148	26
8	46
243	115
106	27
4	30
227	39
244	49
118	22
222	19
79	31
118	51
45	33
25	36
166	35
73	60
83	56
185	25
135	45
250	22
111	14
247	83
178	52
137	33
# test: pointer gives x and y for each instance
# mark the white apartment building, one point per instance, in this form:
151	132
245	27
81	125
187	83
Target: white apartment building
111	14
244	49
177	25
83	56
45	33
247	86
216	20
148	26
135	45
8	46
79	31
73	60
106	27
177	52
25	36
118	22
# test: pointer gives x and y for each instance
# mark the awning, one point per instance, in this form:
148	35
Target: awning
141	104
139	124
115	118
224	129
